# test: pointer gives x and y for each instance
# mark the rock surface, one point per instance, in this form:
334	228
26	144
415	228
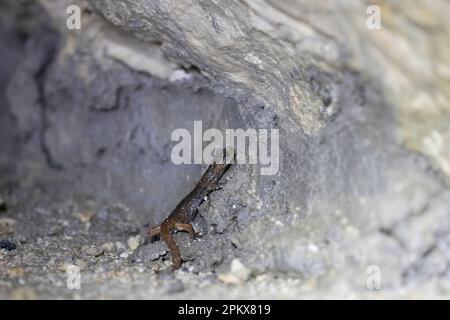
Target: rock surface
363	186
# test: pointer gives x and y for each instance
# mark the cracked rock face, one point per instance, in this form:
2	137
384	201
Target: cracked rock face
87	116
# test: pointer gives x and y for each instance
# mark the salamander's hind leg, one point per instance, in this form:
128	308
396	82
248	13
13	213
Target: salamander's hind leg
187	227
154	233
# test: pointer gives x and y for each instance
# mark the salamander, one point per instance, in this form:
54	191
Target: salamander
185	212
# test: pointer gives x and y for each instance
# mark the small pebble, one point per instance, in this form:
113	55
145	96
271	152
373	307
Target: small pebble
133	242
92	251
7	245
84	216
7	226
108	247
238	273
120	247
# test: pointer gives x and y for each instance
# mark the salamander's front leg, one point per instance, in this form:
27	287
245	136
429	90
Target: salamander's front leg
154	232
166	235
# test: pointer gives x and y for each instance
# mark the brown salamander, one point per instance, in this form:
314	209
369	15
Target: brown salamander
185	212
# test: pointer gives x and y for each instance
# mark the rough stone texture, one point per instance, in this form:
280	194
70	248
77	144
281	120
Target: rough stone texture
86	118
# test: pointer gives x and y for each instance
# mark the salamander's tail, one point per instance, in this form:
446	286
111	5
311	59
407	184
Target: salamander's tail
166	235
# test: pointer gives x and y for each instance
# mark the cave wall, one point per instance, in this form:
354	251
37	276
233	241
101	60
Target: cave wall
88	116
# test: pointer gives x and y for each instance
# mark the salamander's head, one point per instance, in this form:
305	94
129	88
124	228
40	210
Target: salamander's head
222	162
